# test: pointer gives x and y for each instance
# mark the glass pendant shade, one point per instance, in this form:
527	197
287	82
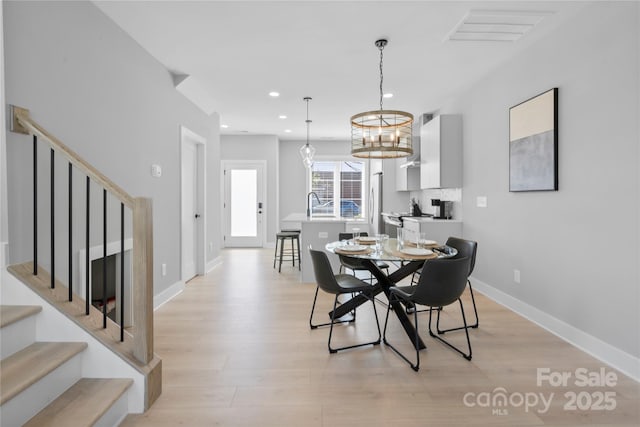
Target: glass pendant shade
306	152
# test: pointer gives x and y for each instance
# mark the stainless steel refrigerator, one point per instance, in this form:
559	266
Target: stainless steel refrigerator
376	222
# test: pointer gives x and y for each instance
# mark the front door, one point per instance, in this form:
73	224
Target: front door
243	204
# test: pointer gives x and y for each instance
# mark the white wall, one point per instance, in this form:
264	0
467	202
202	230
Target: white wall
93	87
577	248
258	147
4	227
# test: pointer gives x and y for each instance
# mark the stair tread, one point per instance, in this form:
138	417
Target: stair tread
12	313
82	404
29	365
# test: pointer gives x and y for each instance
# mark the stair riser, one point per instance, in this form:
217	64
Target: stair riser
116	414
24	406
17	336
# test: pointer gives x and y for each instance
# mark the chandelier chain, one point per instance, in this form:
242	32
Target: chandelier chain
307	99
381	47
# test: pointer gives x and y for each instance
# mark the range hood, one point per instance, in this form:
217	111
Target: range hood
413	161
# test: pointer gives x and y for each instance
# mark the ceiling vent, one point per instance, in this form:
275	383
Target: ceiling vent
496	25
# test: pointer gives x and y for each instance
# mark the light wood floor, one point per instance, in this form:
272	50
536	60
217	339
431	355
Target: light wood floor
237	351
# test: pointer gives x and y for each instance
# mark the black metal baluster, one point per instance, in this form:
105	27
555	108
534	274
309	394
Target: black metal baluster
104	258
121	271
53	228
86	262
70	231
35	205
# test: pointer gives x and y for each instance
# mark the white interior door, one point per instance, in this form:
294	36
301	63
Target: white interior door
189	209
244	204
193	224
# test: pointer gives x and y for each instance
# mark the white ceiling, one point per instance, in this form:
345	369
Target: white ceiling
239	51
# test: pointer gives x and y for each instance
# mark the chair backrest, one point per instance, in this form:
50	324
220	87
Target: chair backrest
325	278
348	236
441	282
465	248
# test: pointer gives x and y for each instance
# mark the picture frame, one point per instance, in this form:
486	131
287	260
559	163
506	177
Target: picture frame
533	143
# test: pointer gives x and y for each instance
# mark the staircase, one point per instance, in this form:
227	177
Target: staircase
42	382
59	352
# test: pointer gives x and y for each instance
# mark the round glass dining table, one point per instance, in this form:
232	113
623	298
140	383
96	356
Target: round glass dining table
410	260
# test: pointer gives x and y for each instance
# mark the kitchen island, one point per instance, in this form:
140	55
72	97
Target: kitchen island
317	231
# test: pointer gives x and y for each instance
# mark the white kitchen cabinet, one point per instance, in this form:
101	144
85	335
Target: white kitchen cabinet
441	152
407	179
435	229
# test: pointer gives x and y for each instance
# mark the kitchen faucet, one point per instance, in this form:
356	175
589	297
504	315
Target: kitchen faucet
308	204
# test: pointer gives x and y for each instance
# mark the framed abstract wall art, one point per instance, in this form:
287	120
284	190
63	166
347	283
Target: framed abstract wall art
533	143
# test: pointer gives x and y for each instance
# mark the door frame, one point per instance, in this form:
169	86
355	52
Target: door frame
223	217
187	136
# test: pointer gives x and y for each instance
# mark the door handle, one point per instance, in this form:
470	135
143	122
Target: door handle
197	216
259	212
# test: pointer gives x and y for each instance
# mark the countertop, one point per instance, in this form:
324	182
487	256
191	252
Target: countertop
428	219
300	217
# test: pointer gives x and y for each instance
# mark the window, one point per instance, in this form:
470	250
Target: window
340	188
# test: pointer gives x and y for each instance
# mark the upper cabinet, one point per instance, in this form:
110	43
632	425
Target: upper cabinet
441	152
408	178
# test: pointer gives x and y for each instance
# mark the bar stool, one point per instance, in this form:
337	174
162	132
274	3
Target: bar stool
292	254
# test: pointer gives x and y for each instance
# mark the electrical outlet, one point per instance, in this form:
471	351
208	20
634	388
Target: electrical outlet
323	235
481	201
516	276
164	269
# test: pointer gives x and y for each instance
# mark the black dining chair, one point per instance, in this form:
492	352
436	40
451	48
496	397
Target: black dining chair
338	285
468	249
354	264
465	248
441	283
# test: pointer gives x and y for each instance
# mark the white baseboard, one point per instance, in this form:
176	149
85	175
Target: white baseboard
168	294
613	356
213	264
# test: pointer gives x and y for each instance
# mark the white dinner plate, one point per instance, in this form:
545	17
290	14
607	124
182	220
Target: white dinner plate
416	251
352	248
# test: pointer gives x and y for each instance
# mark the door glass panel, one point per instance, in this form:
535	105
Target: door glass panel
244	192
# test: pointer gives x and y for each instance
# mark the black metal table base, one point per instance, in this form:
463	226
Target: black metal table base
384	283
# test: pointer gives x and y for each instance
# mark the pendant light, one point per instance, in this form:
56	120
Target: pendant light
381	134
307	151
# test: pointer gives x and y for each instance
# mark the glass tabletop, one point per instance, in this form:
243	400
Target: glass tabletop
392	250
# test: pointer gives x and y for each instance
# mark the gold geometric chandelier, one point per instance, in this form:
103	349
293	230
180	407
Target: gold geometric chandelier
381	134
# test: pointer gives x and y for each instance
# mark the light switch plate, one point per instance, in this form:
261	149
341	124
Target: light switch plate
156	171
481	201
323	235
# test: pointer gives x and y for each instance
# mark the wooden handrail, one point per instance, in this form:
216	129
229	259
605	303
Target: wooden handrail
23	123
142	257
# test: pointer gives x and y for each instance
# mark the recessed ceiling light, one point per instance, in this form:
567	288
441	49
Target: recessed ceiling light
287	130
387	95
282	116
224	126
274	94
